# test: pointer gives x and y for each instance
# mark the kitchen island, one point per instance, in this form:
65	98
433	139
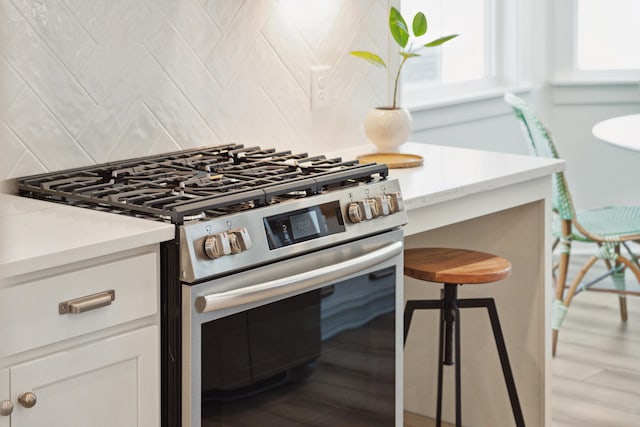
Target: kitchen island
491	202
459	197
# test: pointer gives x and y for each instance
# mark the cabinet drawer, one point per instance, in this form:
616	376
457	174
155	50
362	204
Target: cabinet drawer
33	307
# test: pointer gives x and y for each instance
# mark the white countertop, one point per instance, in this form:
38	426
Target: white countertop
35	235
450	172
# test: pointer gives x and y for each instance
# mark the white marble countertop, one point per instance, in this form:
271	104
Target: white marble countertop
450	172
36	235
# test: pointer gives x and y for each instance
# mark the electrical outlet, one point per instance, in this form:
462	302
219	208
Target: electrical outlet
320	93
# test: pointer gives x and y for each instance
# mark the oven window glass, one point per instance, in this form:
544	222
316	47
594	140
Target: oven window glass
322	358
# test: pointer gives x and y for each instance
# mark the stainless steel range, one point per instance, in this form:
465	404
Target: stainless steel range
280	291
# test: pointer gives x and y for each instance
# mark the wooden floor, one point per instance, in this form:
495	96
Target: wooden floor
596	371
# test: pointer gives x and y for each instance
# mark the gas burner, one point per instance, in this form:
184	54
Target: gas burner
200	183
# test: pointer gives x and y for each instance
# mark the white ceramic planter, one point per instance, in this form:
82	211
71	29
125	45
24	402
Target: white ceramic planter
388	128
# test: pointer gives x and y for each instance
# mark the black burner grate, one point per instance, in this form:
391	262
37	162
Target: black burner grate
198	183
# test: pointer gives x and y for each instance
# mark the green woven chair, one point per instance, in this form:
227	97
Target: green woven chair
610	228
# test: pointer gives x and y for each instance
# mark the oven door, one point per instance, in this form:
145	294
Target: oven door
311	340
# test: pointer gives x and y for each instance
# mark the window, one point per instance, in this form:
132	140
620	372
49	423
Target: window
596	40
482	58
608	34
461	60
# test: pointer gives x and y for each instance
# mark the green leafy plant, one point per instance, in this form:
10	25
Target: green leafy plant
400	33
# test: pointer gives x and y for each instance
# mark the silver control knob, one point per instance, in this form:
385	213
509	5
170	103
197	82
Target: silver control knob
354	212
28	399
375	209
396	204
234	244
6	408
383	205
217	245
359	211
241	236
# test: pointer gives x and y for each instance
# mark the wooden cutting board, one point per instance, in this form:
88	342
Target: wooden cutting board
393	160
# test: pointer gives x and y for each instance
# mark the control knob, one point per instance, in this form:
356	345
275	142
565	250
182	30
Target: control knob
396	204
217	245
375	208
240	240
359	211
382	204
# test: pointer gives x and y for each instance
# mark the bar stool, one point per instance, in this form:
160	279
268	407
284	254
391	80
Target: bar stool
454	267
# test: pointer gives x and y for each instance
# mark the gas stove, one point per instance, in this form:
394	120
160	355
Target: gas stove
235	207
199	183
294	247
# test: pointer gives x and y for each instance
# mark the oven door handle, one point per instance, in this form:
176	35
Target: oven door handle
296	283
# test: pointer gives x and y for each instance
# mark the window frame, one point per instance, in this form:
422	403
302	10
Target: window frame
564	22
511	70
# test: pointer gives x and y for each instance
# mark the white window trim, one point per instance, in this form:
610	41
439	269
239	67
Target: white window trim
513	72
572	86
563	16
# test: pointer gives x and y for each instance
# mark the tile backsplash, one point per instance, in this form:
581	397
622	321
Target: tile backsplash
90	81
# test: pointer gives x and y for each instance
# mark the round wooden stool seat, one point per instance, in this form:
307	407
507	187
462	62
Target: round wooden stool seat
456	266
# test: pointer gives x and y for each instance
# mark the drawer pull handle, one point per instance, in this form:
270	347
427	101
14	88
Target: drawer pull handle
90	302
28	399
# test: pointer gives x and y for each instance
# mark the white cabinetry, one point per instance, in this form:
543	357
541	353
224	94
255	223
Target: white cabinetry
5	398
97	362
99	366
111	382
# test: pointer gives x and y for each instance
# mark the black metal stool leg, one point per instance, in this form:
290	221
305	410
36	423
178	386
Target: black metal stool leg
413	305
452	342
440	368
490	305
409	308
458	374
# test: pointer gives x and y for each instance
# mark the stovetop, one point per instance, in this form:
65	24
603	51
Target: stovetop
199	183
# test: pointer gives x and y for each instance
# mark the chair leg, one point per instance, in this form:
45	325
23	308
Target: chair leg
448	317
561	280
451	317
630	265
490	305
554	341
450	307
624	314
458	368
440	369
618	281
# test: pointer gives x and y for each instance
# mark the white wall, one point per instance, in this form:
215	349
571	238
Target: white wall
598	174
89	81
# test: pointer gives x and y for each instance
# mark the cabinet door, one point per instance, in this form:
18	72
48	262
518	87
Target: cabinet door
4	394
112	382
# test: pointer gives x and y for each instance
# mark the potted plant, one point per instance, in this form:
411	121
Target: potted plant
388	127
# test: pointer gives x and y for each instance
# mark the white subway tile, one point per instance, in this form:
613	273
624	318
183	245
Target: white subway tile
50	79
55	23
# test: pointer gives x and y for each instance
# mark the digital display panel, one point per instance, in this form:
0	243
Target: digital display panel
304	224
